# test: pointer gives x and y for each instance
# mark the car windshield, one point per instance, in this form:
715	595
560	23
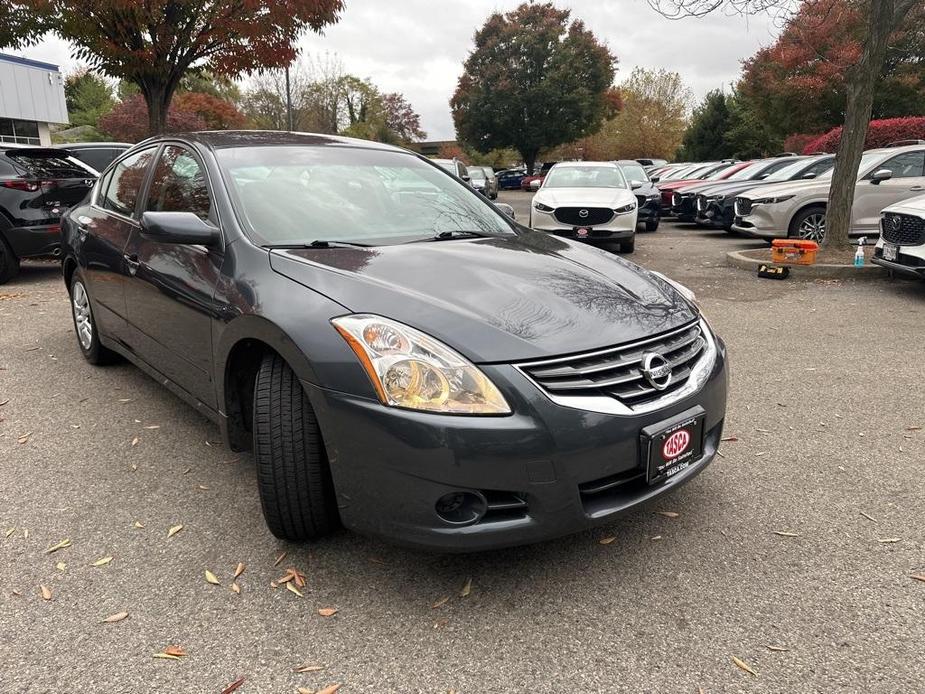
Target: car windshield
634	172
476	175
789	171
867	159
585	177
291	195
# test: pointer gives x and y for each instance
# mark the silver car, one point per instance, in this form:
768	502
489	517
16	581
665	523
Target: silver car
886	176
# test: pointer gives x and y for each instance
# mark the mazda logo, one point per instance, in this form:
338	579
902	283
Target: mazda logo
656	370
582	213
895	223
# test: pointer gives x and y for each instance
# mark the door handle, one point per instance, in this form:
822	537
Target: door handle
917	188
132	262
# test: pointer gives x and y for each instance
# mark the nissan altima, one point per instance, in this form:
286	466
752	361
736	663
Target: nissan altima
589	201
400	357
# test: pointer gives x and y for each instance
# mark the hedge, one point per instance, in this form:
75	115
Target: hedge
879	134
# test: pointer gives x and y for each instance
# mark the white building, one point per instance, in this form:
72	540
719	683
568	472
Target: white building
31	97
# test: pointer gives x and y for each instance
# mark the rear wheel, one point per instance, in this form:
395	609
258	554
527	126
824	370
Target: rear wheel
652	225
293	477
88	336
809	224
9	263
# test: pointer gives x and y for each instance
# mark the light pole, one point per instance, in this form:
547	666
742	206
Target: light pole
288	103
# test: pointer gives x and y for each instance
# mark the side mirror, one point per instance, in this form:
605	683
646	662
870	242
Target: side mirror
507	209
535	184
655	179
762	177
881	175
179	227
635	185
810	175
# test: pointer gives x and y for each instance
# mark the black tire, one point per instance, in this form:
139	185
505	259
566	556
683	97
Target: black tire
90	345
805	215
293	476
628	246
9	263
652	226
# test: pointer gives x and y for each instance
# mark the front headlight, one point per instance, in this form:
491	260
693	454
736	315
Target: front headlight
542	208
686	292
626	208
412	370
771	201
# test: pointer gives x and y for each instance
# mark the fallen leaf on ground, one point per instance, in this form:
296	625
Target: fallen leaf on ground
308	668
165	656
655	538
102	562
46	592
233	686
305	690
730	438
327	611
607	540
4	402
377	560
742	665
25	437
61	545
668	514
60	566
239	569
174	530
292	589
870	518
153	426
135	441
117	617
785	533
279	559
210	578
175	651
125	399
441	602
10	531
235	588
889	540
330	689
440	623
138	524
913	428
466	589
777	648
187	470
918	577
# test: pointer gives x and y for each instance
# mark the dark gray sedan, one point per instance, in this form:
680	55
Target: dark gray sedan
399	356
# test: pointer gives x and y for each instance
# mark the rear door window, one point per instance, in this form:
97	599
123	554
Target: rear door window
121	194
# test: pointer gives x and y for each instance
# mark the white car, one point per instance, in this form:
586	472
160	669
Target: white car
886	176
586	200
901	247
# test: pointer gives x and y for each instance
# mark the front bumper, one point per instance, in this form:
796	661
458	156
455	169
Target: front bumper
744	225
651	211
716	215
573	469
620	227
907	264
35	242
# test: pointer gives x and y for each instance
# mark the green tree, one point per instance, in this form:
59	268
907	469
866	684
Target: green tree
705	137
535	80
87	96
154	44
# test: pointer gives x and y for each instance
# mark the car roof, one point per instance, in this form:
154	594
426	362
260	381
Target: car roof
93	145
584	163
627	162
221	139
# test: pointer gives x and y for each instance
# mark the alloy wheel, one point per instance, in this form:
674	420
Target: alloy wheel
813	227
82	318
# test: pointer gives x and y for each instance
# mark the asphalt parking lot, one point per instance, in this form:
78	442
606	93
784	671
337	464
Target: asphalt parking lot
794	552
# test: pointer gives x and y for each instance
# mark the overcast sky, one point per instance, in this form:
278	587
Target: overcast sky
417	46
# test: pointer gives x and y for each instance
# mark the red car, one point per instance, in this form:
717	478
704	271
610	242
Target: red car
526	180
717	171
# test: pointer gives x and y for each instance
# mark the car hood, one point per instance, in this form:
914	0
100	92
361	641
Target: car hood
592	197
735	187
674	185
794	188
911	206
496	299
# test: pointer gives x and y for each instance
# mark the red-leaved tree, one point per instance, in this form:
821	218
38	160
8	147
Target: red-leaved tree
190	111
153	43
880	133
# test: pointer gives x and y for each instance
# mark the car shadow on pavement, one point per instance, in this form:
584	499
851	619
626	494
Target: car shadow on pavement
33	272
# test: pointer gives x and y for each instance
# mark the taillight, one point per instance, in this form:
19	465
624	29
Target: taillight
19	184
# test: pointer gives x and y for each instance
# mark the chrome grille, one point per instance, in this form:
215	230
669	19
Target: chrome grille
617	372
903	229
743	207
593	216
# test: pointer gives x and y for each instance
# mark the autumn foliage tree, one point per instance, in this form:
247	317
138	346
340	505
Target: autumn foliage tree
189	111
534	80
154	43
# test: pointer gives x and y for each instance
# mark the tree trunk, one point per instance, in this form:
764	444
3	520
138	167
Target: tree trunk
859	82
157	97
529	161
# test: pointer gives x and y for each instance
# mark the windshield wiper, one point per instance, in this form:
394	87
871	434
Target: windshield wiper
318	243
455	234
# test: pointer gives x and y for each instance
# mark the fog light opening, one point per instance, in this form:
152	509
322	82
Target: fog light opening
461	508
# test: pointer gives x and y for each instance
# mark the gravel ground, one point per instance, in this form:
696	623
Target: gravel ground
794	552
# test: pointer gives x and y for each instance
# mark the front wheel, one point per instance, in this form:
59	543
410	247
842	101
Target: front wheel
652	225
293	476
809	224
88	335
628	246
9	263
